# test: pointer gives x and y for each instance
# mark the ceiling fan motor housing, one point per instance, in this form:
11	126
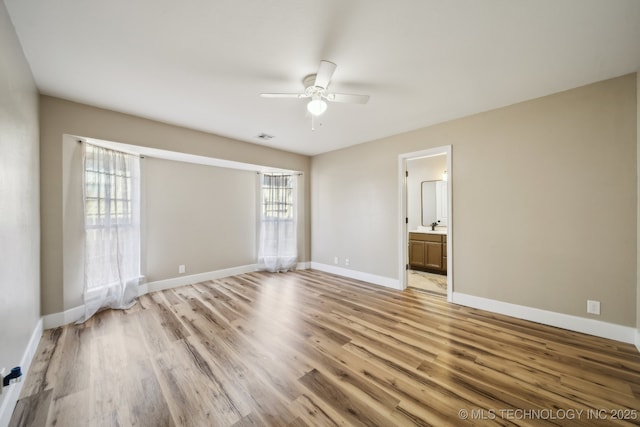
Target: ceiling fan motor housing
310	88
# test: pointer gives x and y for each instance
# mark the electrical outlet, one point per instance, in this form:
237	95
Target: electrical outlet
335	260
593	307
346	261
182	269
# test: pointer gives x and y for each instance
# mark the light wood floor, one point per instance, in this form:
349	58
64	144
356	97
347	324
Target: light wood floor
308	348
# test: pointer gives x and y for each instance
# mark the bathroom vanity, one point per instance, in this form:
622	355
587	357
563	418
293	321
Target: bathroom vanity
428	251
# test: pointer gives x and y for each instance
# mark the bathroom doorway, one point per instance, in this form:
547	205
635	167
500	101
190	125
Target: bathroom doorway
425	245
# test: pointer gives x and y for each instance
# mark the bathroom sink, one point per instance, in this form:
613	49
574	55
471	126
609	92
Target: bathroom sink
438	230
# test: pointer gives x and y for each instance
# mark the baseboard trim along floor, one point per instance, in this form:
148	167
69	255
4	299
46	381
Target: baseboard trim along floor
560	320
358	275
594	327
55	320
11	393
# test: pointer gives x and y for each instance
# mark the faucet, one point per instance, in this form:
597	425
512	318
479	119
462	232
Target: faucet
433	225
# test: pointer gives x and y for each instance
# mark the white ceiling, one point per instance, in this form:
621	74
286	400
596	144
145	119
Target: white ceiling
203	63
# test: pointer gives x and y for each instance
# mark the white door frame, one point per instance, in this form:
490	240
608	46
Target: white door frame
402	210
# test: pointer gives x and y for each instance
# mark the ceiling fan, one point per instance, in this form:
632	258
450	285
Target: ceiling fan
317	88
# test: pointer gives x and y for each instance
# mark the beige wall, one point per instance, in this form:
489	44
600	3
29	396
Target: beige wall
638	208
60	244
544	201
19	192
201	216
423	169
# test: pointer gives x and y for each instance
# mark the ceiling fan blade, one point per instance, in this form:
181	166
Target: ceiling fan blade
347	98
325	72
283	95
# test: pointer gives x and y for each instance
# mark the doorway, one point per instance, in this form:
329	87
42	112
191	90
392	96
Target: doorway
426	244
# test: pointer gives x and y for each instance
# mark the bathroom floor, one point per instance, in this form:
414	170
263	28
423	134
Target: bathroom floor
435	283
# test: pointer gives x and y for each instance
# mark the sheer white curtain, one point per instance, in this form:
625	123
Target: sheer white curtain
111	184
277	248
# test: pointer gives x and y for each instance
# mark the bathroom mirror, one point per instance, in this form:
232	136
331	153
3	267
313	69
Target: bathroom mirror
434	203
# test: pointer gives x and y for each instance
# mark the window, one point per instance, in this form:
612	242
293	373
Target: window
111	181
277	197
278	238
107	191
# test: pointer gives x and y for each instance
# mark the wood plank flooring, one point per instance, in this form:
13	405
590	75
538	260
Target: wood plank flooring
312	349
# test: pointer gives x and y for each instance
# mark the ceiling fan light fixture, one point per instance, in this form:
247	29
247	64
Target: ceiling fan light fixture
316	90
317	106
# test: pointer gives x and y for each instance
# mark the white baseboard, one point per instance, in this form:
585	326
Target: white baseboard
566	321
11	393
358	275
160	285
60	319
574	323
303	265
69	316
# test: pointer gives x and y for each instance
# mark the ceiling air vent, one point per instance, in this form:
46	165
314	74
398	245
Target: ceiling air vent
265	136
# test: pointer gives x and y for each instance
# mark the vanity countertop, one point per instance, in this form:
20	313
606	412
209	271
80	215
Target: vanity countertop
428	230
